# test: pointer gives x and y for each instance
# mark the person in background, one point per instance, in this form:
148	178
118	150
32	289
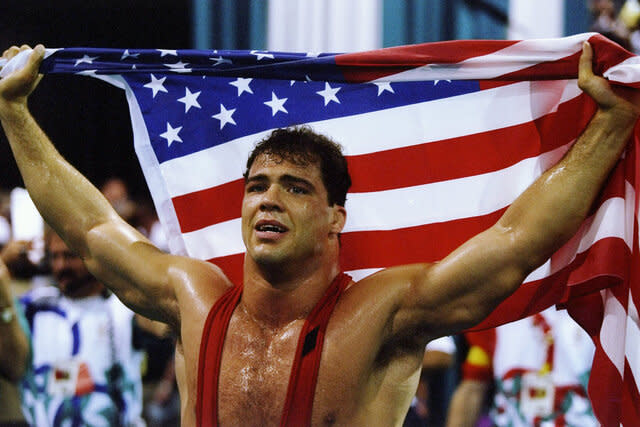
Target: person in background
83	368
429	405
14	348
539	368
606	22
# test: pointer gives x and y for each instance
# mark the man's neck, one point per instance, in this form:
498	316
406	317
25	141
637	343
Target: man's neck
275	304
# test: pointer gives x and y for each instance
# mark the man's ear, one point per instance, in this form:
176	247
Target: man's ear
338	219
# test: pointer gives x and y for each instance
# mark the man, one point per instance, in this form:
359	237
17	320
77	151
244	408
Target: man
278	323
538	367
83	367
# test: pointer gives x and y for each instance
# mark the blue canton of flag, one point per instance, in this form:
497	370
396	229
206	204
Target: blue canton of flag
188	115
268	90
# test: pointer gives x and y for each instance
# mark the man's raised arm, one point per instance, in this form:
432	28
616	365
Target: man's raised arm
467	285
115	252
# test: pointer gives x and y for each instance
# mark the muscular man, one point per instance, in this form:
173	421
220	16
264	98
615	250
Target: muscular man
292	215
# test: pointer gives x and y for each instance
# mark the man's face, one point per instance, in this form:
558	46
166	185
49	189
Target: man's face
73	278
285	213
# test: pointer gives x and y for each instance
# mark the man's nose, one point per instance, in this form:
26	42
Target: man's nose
57	263
271	199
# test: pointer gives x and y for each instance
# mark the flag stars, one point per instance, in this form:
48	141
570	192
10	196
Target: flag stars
156	85
126	55
190	100
225	116
86	59
165	52
261	55
220	60
242	84
383	87
276	104
179	67
171	135
329	94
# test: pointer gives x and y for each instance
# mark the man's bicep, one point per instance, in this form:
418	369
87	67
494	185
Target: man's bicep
471	281
135	270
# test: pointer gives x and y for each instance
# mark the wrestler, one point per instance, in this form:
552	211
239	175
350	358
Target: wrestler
292	215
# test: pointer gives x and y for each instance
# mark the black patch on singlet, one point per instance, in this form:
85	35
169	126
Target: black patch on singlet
310	341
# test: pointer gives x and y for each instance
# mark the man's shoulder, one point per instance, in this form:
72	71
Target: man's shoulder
204	278
41	296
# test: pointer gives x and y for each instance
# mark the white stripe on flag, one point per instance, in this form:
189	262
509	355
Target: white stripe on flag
626	71
613	323
513	58
632	339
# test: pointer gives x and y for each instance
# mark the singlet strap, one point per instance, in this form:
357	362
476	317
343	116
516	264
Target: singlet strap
214	333
304	372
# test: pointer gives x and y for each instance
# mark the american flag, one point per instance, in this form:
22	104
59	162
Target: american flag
440	139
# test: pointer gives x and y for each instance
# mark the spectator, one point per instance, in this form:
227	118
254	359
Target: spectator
539	367
13	354
606	22
426	410
83	368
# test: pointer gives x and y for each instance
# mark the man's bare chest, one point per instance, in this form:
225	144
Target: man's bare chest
255	369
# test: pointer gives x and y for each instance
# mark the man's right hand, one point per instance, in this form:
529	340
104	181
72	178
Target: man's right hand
17	86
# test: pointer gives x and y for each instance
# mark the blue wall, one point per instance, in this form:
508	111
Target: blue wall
242	24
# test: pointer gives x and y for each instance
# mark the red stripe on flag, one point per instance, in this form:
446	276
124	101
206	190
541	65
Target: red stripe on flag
425	243
606	53
605	384
231	265
210	206
630	397
562	68
375	249
368	66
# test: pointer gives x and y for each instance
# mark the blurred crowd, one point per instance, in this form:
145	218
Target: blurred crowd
83	357
618	22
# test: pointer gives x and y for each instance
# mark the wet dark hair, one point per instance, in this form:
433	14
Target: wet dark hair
302	146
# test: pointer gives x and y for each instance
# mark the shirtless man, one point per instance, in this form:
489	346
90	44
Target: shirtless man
376	336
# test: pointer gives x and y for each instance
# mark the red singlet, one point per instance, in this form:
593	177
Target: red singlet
304	372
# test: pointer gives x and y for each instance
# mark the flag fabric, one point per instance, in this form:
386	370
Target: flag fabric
440	139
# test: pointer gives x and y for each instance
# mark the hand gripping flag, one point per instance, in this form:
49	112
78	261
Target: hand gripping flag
440	139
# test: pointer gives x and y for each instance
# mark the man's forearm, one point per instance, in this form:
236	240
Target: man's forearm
549	212
467	403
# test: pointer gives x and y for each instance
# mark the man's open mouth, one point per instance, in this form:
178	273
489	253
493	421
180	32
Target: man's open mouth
271	227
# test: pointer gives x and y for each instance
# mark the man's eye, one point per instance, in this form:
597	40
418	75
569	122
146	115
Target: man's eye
256	188
295	189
